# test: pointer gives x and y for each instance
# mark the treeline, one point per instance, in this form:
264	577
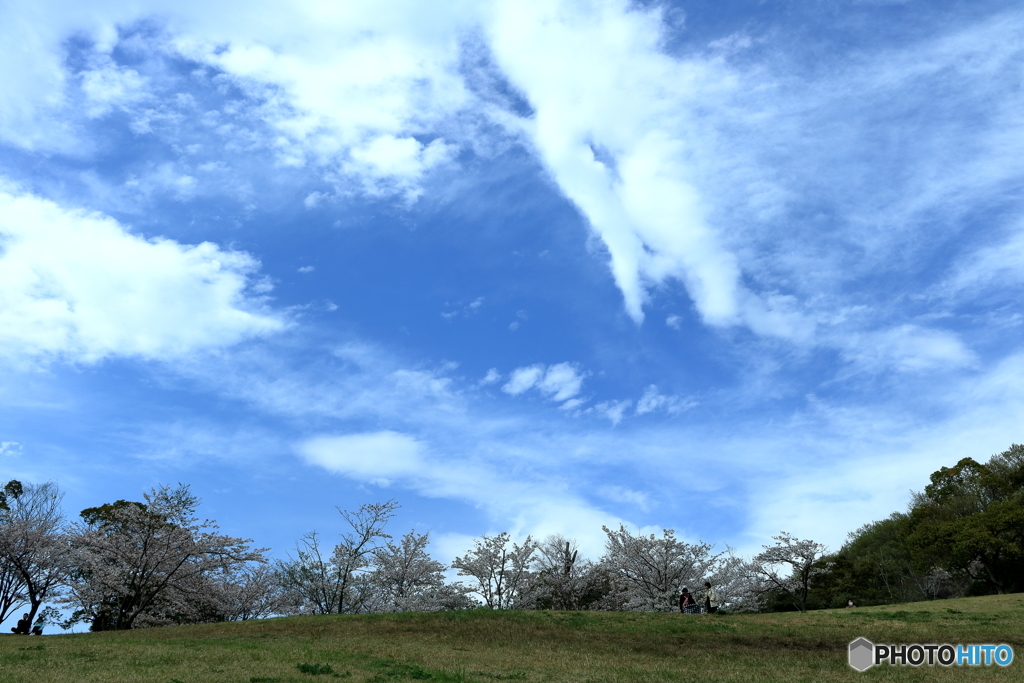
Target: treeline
963	535
133	564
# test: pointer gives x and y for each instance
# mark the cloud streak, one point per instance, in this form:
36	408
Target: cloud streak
689	167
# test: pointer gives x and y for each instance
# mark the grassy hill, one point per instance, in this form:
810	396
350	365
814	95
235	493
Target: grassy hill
524	646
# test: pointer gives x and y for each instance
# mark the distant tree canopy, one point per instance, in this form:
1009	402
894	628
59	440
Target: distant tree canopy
963	535
11	490
970	519
109	513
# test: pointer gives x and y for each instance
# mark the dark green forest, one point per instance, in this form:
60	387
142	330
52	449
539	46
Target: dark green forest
962	536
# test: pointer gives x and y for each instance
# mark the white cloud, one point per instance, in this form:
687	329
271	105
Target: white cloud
523	379
652	401
558	382
674	161
352	86
572	404
997	267
466	311
314	199
674	321
436	443
616	140
700	170
307	269
372	456
10	448
107	86
612	410
561	382
520	505
491	377
77	285
621	494
395	160
908	348
346	87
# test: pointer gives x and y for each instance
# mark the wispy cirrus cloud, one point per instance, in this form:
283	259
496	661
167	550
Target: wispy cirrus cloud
351	91
653	401
909	348
697	182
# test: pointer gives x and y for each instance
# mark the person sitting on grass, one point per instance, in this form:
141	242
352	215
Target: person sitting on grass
24	624
687	604
37	630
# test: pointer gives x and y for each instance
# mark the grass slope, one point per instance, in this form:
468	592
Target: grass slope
524	646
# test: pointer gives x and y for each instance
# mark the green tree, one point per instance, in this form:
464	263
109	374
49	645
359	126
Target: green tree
11	491
877	566
971	519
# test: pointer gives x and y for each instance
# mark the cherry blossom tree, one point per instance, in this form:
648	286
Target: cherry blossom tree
564	580
732	578
12	595
501	570
252	592
311	581
787	566
12	584
647	572
318	583
12	590
405	579
34	549
152	563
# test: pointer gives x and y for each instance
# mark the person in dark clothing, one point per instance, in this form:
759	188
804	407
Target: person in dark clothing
687	603
23	627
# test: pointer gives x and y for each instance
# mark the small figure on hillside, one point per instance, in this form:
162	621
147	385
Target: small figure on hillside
710	598
849	603
37	630
24	624
687	603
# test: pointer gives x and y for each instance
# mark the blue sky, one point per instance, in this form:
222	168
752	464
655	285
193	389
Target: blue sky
725	267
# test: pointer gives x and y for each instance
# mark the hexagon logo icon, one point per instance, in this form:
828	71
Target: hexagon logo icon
862	654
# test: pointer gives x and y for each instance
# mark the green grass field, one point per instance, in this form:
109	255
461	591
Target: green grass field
525	646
